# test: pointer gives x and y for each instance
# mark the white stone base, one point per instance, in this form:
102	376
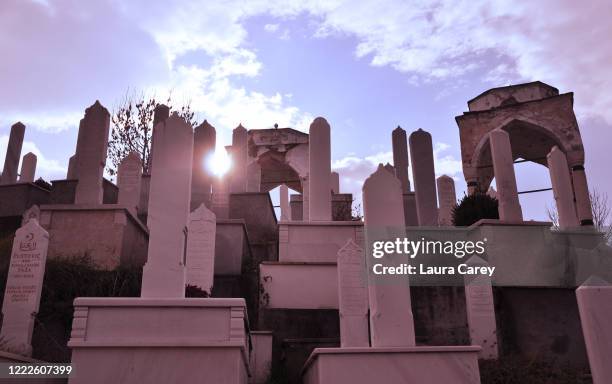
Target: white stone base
137	340
422	365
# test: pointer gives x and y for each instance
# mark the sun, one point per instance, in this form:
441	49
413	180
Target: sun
218	162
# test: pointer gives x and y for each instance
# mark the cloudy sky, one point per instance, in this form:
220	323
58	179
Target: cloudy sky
366	66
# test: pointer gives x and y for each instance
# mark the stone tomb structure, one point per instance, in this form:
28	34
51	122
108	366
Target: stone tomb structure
536	118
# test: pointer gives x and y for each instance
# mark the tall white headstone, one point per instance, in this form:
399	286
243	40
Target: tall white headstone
391	321
319	155
239	160
220	197
169	199
353	296
24	286
562	188
481	310
505	179
13	154
595	307
335	182
201	248
92	144
28	168
129	180
400	157
447	199
71	174
204	141
423	175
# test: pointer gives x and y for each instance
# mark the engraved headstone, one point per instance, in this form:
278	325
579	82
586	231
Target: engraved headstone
13	154
353	296
24	286
129	181
28	168
481	311
201	248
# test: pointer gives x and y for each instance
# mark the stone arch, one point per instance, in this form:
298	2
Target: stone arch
276	157
529	140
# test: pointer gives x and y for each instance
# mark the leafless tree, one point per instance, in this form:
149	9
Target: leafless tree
600	207
132	129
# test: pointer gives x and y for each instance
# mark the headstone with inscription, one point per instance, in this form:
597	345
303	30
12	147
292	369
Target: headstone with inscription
481	311
129	180
201	232
353	296
24	286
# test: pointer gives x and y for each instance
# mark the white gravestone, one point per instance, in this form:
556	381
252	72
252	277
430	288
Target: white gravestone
13	154
28	168
595	307
92	145
423	175
129	180
24	286
562	188
319	161
201	232
447	199
239	155
353	296
391	321
481	311
284	202
505	179
169	199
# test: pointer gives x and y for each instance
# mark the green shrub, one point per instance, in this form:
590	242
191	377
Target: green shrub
474	207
